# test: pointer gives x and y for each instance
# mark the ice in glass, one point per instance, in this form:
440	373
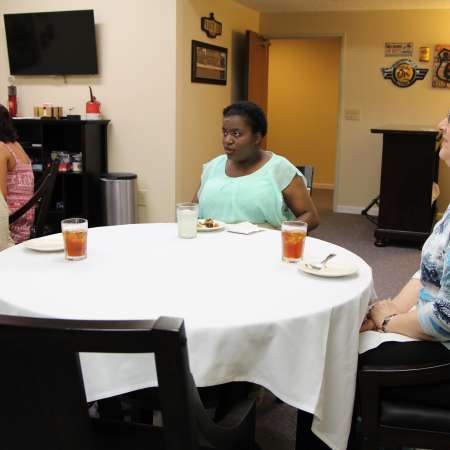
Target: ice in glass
75	238
293	236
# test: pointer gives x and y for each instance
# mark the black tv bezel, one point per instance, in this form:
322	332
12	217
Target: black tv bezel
56	73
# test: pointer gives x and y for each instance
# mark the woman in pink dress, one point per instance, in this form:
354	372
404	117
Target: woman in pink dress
16	177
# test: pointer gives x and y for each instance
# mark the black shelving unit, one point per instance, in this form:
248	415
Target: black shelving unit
76	194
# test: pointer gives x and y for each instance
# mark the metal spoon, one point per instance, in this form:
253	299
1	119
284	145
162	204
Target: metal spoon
320	265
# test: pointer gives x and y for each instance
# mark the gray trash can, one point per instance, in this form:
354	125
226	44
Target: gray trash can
119	198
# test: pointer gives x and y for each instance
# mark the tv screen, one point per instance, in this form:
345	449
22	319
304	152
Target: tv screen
51	43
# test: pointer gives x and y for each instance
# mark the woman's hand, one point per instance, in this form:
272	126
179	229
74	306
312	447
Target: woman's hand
380	310
367	325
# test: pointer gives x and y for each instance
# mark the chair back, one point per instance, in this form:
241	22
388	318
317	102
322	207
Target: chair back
42	396
41	198
308	172
388	420
41	386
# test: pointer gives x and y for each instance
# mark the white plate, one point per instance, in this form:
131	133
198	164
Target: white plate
52	243
330	270
202	228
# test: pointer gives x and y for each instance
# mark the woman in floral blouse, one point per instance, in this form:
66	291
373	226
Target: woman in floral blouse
422	308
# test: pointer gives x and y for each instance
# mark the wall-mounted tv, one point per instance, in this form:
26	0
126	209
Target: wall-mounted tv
51	43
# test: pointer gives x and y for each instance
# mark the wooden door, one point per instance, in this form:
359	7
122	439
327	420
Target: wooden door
257	70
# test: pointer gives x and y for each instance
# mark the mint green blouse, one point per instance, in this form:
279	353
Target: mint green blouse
256	198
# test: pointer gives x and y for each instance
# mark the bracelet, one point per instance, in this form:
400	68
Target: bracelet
385	322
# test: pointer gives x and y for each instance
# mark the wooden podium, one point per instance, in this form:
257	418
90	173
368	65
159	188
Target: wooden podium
409	167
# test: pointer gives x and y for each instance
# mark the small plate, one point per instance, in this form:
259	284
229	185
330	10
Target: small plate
53	243
201	227
330	270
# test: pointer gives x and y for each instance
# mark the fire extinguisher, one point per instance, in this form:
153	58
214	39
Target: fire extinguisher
12	98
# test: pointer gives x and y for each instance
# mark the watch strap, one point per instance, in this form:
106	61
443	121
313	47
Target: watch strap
386	320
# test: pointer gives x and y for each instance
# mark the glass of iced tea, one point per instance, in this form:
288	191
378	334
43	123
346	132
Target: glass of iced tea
293	236
75	238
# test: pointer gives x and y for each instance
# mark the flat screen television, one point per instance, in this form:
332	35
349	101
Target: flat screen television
51	43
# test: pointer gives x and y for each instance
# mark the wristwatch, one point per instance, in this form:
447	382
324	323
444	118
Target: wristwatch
386	320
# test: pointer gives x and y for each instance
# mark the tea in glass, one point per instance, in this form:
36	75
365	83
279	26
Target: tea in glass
293	236
75	238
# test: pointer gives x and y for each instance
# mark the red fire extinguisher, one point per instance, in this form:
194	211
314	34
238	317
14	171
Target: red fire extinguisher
12	98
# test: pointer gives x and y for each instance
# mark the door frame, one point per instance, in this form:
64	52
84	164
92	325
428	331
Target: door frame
340	112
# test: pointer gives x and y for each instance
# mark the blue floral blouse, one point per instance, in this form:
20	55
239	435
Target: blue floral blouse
434	297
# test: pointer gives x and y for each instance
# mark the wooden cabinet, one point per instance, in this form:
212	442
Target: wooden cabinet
76	193
409	167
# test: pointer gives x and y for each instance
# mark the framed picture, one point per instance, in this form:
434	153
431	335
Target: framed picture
209	63
441	66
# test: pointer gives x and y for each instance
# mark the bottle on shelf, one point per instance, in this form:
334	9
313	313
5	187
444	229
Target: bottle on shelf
12	97
64	162
77	162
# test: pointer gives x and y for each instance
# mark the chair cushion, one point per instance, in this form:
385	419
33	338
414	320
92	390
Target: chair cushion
415	416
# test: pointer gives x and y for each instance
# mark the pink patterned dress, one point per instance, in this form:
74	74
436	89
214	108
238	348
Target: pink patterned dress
20	188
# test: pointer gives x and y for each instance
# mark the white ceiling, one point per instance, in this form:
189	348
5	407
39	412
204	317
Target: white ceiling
341	5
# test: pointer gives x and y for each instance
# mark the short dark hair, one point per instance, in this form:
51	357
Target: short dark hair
251	112
7	131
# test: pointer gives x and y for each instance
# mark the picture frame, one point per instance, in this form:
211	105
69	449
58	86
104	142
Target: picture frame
209	63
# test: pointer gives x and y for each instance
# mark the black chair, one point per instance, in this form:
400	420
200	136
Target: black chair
308	171
387	421
43	402
41	199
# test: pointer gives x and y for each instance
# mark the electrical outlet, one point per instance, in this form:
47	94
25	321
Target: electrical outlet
142	197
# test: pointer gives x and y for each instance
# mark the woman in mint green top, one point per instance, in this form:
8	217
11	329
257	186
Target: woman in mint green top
251	184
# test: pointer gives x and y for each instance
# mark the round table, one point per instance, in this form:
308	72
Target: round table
248	315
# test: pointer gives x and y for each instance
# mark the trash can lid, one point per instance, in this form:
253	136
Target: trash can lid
118	176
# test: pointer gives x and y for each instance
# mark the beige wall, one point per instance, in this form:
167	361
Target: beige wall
136	43
303	103
364	89
199	106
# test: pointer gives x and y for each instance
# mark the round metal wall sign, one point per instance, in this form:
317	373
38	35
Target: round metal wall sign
404	73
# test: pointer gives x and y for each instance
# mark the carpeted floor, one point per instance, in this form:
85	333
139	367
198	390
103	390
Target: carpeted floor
392	267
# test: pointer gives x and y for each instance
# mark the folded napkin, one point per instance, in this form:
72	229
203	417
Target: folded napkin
243	228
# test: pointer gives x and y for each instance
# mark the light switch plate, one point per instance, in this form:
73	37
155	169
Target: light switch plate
352	114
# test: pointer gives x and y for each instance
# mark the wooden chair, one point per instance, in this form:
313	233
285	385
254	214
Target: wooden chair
308	171
41	199
43	402
389	422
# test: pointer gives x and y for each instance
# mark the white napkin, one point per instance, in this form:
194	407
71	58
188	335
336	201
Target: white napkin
243	228
372	339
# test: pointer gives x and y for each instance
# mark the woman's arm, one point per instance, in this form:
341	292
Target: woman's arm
195	197
428	322
401	303
298	200
3	172
407	324
408	296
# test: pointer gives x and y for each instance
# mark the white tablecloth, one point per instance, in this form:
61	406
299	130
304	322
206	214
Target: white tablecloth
248	316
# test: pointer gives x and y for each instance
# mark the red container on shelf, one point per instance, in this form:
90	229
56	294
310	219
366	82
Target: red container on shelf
92	107
12	100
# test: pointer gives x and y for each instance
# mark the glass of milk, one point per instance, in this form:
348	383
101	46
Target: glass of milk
187	217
